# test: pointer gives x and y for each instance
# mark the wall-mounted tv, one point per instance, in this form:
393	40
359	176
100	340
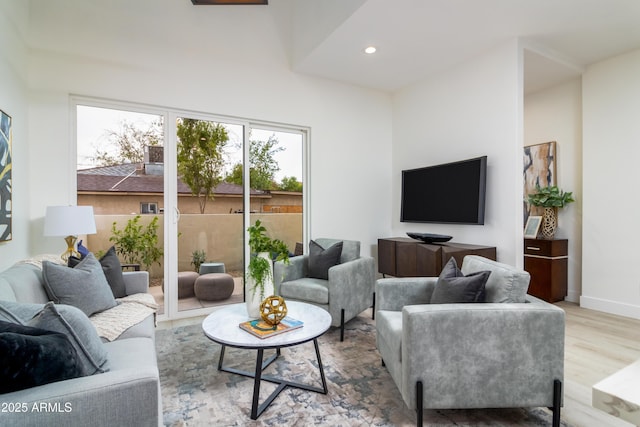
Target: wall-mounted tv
451	193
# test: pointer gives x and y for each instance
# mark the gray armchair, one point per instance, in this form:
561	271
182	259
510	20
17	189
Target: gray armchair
508	352
347	292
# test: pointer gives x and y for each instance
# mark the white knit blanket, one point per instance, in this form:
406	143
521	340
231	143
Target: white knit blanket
130	311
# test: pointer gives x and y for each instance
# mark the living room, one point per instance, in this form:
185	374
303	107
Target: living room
261	62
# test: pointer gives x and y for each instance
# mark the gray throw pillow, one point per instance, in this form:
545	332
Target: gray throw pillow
78	328
112	271
18	312
84	286
321	260
455	287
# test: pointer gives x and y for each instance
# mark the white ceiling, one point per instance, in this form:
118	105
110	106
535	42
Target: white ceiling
417	38
326	38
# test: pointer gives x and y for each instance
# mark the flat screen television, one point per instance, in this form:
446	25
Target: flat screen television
451	193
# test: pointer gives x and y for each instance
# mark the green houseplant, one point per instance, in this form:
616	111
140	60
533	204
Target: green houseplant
264	250
198	257
550	198
136	243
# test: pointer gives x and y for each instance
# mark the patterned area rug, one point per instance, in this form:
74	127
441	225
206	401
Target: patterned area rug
361	391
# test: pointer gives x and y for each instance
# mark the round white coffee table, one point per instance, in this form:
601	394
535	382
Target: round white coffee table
222	326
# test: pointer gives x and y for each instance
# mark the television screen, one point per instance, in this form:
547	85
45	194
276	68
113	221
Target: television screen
452	193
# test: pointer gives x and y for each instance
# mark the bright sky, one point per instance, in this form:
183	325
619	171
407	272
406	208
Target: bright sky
94	122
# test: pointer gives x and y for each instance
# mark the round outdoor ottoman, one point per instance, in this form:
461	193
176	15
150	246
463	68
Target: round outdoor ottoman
214	286
186	283
212	267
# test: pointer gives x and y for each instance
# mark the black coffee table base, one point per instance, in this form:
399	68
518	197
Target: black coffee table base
256	408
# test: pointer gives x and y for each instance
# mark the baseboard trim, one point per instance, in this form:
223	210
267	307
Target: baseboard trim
573	296
611	307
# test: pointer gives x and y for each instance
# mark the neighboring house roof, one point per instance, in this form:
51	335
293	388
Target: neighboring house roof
130	178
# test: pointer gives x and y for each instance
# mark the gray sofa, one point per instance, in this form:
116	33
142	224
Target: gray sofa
505	352
128	394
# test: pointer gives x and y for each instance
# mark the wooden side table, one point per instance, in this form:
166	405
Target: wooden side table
547	262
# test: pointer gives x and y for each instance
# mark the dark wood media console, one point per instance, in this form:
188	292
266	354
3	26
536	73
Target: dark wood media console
406	257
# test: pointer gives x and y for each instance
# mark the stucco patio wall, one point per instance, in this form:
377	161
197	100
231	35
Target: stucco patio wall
219	235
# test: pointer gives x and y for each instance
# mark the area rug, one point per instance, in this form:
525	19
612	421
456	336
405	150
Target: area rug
361	391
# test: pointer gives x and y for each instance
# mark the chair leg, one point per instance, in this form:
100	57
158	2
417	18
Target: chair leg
557	402
419	403
342	325
373	310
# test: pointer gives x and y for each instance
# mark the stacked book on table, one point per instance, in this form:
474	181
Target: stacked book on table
262	329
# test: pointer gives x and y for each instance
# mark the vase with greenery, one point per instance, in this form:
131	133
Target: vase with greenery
550	199
264	251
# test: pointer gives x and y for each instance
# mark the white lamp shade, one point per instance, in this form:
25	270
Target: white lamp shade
69	221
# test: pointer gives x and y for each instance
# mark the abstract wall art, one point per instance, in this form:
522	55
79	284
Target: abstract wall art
6	166
539	169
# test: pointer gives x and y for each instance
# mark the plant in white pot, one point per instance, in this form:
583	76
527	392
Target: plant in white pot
259	278
550	198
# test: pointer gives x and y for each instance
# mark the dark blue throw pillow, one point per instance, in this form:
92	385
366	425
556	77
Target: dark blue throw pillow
31	357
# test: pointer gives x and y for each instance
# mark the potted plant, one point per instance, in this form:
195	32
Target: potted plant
264	250
198	257
136	243
550	198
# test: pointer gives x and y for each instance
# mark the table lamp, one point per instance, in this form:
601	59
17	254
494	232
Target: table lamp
69	221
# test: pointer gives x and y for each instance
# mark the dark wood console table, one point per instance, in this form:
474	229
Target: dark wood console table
546	261
406	257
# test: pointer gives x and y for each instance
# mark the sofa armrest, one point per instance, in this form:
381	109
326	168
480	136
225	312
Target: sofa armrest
394	293
296	269
488	354
136	282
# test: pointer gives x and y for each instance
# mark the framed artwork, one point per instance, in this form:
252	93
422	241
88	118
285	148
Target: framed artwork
532	227
539	169
5	176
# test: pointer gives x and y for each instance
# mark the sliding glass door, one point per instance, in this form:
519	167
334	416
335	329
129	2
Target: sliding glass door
176	183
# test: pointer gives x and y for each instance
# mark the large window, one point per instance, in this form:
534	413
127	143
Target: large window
181	176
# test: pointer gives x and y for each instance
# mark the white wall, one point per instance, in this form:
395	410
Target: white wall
469	111
611	148
230	61
13	101
555	114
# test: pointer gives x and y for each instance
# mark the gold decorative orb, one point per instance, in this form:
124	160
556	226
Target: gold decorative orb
273	309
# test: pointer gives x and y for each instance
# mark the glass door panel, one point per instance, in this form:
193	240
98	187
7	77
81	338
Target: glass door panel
120	172
210	202
276	181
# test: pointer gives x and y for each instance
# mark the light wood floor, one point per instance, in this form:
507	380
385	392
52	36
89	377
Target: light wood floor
596	345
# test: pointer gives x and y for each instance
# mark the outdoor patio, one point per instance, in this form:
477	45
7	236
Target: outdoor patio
192	303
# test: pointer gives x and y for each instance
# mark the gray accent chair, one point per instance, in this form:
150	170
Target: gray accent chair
507	352
347	293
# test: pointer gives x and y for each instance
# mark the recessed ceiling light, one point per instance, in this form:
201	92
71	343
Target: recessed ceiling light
370	50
